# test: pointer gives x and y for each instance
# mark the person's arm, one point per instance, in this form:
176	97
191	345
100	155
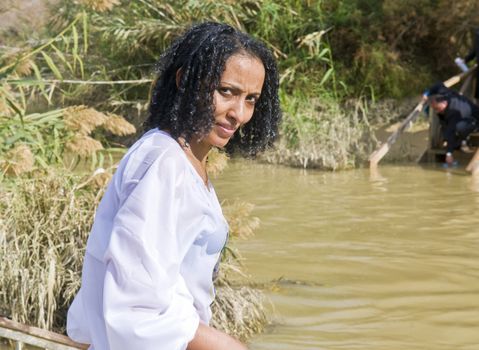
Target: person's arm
449	133
208	338
146	303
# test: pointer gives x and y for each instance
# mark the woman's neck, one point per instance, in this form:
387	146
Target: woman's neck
197	153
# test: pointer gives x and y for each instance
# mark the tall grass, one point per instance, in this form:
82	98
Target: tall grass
61	136
38	123
45	224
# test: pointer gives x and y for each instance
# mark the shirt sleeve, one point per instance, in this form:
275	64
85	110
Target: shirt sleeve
146	303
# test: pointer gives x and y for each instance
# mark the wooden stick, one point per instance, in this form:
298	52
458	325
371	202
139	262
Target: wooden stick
473	165
457	78
36	336
378	154
466	85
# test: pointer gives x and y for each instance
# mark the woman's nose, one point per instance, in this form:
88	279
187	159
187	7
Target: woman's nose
238	111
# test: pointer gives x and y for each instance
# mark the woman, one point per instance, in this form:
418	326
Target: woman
158	231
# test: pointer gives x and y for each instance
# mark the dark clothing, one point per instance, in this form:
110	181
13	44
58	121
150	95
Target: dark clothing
474	53
459	119
438	89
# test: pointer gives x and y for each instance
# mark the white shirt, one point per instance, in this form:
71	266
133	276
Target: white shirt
157	236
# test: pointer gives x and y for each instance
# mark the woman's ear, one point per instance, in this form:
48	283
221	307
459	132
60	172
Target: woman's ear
179	72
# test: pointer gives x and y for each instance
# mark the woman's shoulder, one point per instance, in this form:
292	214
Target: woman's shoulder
155	148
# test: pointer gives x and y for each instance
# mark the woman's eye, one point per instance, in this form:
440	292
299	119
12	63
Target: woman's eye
252	99
224	91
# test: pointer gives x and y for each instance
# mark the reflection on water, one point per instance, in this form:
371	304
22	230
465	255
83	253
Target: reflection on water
388	260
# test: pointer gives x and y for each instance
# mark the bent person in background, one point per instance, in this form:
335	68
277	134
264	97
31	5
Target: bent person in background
151	257
458	116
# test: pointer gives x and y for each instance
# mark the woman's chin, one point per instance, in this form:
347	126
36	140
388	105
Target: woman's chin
217	141
220	144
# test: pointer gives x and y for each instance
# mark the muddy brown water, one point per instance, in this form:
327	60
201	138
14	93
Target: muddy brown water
360	260
363	261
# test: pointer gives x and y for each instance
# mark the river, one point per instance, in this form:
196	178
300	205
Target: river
363	261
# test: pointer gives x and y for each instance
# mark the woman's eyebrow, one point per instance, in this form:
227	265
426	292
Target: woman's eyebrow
236	88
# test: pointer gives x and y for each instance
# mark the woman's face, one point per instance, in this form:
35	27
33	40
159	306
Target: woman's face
234	100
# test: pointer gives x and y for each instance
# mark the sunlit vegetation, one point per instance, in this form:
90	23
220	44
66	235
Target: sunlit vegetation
102	54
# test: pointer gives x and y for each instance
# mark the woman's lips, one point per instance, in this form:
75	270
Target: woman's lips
225	130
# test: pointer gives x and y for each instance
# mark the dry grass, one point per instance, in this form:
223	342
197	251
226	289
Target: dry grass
322	134
83	145
118	126
44	224
100	5
241	223
239	311
82	119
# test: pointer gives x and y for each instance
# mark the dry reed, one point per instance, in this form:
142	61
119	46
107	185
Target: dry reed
5	92
216	162
100	5
82	119
24	68
239	311
83	145
118	126
46	221
18	160
240	221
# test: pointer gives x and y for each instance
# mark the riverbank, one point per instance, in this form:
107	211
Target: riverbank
323	134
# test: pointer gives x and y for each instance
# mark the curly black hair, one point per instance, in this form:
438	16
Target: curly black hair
187	110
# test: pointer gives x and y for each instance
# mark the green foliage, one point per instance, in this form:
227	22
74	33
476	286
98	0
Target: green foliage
397	48
43	133
381	70
135	33
32	133
327	50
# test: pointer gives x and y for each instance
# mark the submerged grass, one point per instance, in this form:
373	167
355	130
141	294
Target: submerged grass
45	220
